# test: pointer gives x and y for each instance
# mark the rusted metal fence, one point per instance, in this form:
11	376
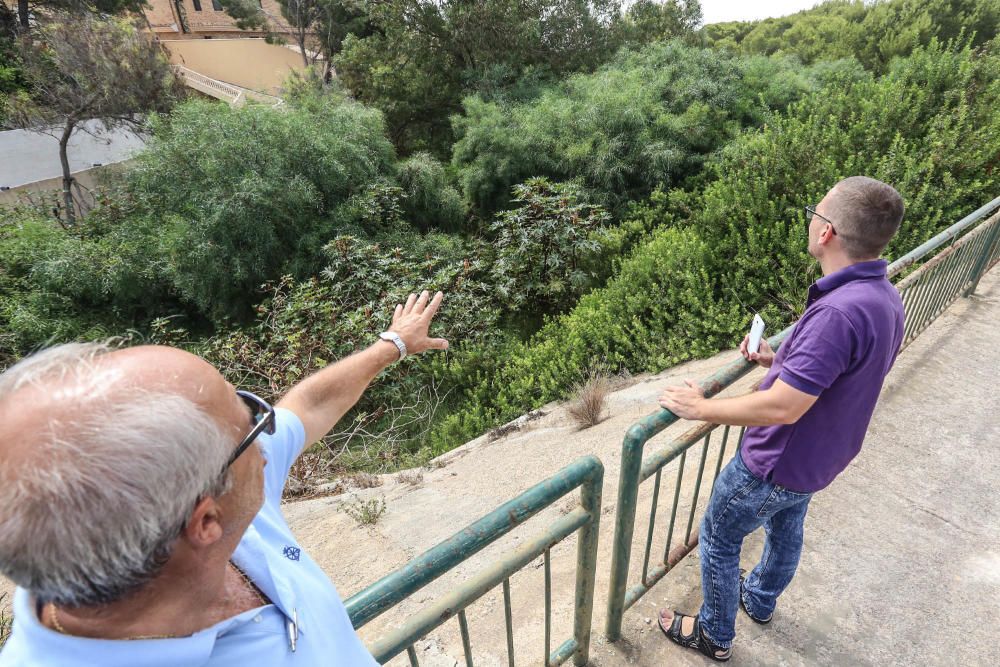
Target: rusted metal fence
926	293
586	473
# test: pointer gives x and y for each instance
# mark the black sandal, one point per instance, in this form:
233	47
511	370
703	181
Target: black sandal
743	606
696	640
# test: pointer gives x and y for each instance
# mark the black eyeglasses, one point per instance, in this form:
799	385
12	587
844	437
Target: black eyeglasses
261	420
811	211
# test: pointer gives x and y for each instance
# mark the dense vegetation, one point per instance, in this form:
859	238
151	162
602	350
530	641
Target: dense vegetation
605	207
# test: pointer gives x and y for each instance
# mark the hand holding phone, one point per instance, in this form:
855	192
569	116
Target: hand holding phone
756	333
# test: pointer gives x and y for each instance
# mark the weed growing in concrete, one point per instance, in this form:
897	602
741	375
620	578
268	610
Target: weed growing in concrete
366	512
411	477
364	480
589	400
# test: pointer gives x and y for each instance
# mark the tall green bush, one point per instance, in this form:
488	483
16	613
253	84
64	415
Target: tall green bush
872	32
928	127
432	202
246	195
650	118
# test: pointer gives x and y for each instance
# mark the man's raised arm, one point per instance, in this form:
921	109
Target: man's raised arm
325	396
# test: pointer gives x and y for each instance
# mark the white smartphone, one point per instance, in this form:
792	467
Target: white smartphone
756	332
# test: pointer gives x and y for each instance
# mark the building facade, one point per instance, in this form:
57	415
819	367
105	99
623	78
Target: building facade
205	19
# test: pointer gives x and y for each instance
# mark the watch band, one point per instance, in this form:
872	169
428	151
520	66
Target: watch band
394	338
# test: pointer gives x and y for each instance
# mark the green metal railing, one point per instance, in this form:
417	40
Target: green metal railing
587	473
926	293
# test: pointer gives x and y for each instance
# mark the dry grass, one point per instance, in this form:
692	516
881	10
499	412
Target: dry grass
411	477
6	620
364	480
590	398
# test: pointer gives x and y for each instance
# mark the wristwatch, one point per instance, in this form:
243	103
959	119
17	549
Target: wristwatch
394	338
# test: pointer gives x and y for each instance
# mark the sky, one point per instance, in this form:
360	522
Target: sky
717	11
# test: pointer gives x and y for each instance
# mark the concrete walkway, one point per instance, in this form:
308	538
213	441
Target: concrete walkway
29	157
902	559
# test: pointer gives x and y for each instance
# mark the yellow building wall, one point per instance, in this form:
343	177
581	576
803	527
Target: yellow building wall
206	21
248	63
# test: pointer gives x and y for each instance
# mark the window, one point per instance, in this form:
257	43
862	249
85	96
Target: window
216	5
197	5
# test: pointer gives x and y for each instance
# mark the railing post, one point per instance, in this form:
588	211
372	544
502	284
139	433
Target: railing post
628	494
981	263
586	563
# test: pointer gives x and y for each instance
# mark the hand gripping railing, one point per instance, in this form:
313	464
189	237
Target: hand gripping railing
587	473
926	293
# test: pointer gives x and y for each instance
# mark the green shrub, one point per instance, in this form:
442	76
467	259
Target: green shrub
928	127
246	195
304	325
650	118
545	247
431	200
872	32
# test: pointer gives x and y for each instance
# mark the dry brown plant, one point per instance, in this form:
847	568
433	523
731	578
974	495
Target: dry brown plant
589	400
364	480
411	477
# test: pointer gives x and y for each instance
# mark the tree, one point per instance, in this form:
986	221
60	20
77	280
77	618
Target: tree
26	9
423	56
649	21
82	68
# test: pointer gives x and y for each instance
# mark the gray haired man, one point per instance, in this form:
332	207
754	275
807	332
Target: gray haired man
139	500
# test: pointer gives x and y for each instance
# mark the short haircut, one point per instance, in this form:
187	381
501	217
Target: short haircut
92	512
866	215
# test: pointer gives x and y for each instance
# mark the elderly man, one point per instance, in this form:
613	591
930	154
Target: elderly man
808	419
139	508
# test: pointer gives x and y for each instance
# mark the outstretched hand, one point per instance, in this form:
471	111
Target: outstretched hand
412	321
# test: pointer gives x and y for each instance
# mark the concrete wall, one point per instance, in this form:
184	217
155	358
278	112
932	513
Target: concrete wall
248	63
89	179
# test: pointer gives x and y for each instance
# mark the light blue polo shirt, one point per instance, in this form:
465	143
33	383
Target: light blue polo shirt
271	557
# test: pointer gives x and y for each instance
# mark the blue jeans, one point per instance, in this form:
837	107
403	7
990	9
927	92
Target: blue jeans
740	504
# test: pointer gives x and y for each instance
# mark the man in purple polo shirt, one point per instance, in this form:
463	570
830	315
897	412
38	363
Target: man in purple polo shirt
808	419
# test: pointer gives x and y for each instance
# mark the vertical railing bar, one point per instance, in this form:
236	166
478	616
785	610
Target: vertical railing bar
961	274
509	622
952	272
548	608
673	510
412	655
652	524
914	291
974	264
982	261
697	487
955	275
463	626
922	309
920	306
739	445
722	452
970	262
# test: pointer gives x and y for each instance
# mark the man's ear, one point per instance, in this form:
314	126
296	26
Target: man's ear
826	235
204	527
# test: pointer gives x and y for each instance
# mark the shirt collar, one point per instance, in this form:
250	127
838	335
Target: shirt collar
875	268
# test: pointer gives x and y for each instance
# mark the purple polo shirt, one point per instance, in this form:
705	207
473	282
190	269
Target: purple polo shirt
840	351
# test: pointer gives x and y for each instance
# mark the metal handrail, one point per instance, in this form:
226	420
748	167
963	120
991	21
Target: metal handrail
952	232
587	473
926	293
